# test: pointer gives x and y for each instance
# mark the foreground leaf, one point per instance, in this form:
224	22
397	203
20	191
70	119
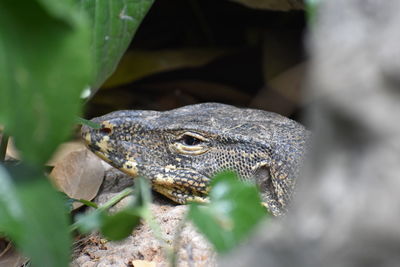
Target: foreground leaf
33	216
114	23
46	238
10	207
234	209
311	10
41	45
120	225
86	223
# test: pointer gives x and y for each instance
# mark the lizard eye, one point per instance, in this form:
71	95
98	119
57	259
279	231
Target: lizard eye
190	143
189	140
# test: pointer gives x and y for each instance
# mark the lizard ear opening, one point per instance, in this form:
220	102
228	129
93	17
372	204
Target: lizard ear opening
263	179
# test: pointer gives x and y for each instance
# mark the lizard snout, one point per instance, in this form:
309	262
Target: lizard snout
85	132
91	135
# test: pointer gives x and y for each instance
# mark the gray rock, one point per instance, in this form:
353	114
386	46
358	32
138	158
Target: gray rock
95	251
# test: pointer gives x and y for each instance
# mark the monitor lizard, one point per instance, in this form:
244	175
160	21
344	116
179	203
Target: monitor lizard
180	150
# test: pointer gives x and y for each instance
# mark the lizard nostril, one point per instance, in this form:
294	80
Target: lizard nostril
105	130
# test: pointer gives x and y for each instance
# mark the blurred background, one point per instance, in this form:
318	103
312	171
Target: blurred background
191	51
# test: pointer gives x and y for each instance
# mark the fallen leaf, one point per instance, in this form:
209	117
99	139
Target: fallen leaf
9	256
138	64
79	174
63	150
12	151
60	153
284	92
141	263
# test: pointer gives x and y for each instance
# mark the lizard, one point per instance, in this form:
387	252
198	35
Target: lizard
180	150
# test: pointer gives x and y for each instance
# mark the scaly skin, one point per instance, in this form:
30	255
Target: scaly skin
180	150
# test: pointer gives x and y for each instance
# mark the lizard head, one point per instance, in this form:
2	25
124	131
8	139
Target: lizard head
185	147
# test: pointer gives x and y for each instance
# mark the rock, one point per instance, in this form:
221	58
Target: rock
94	250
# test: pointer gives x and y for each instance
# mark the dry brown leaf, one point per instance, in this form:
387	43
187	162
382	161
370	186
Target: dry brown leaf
137	64
284	92
63	150
12	151
79	174
199	90
9	257
141	263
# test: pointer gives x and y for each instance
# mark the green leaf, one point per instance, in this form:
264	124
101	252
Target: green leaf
44	65
89	123
46	239
114	24
142	193
95	219
120	225
311	10
10	207
86	223
68	202
234	209
33	216
87	203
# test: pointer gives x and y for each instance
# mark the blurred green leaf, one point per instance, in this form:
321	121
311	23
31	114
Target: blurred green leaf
41	45
142	193
32	215
67	201
121	224
96	219
86	223
10	207
311	10
45	239
114	24
234	209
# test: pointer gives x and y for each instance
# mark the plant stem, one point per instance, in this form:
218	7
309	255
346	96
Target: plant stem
115	199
